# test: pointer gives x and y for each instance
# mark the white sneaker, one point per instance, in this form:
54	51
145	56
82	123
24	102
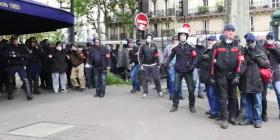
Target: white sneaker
160	94
63	91
144	96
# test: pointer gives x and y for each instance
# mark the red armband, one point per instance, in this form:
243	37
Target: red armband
193	54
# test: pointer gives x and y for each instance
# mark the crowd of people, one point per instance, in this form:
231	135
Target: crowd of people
220	67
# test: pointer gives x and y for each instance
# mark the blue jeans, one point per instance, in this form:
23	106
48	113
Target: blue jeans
212	95
100	80
198	85
188	76
134	77
276	86
90	80
171	83
253	107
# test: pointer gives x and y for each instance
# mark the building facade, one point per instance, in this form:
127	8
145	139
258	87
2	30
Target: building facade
204	16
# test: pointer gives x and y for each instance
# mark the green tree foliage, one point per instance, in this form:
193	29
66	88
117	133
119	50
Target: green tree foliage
122	10
56	36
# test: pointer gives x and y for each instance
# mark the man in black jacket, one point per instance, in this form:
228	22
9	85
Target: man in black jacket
226	62
184	66
46	74
100	60
34	66
199	49
149	61
273	53
3	72
204	62
135	67
16	56
252	83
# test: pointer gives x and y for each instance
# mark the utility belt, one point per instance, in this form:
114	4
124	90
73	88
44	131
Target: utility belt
150	65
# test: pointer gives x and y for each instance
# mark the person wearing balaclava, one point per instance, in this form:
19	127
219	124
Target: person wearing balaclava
199	49
149	61
186	60
225	69
58	67
251	82
273	53
204	61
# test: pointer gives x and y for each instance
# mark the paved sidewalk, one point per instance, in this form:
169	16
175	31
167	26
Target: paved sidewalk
123	116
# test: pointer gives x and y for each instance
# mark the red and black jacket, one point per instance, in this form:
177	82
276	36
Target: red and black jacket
227	58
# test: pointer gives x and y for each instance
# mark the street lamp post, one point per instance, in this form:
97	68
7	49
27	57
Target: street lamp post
71	30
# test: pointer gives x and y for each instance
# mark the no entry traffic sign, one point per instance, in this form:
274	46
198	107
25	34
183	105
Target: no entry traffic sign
141	21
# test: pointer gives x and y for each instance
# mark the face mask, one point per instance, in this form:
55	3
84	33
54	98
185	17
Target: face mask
183	38
251	45
148	40
228	41
210	45
270	41
59	48
74	48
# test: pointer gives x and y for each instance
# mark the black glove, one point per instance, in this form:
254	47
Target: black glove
212	81
205	57
254	57
235	81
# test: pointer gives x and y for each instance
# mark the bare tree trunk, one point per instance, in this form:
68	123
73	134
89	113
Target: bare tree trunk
98	18
106	25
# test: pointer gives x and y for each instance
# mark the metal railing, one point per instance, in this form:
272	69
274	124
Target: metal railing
201	10
264	4
162	13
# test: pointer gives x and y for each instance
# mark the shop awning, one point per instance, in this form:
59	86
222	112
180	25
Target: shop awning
27	16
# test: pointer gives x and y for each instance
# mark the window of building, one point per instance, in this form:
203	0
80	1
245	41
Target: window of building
251	3
275	3
166	3
155	5
205	2
180	4
167	25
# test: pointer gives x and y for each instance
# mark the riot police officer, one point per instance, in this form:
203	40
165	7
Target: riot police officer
34	66
16	56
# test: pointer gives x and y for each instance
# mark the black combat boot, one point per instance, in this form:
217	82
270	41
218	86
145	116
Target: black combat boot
36	85
10	89
29	94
